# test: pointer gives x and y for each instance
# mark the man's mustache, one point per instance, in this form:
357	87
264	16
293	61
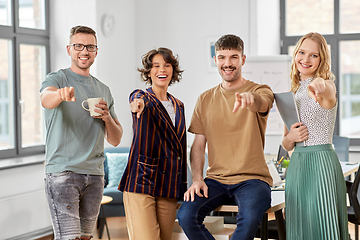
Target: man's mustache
228	67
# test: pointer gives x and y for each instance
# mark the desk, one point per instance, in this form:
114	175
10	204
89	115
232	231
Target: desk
105	200
349	168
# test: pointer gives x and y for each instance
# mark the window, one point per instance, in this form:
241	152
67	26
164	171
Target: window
6	86
340	25
350	88
24	62
303	17
32	14
5	6
349	16
32	72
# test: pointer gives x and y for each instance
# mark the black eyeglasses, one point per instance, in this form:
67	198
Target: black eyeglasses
80	47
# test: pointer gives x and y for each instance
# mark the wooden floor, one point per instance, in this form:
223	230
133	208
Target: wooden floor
117	228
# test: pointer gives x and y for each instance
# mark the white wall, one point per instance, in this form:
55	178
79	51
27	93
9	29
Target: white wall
183	26
268	43
65	14
116	59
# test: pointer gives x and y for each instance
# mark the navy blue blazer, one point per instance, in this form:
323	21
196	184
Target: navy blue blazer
157	159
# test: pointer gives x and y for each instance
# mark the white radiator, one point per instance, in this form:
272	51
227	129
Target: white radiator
24	212
24	215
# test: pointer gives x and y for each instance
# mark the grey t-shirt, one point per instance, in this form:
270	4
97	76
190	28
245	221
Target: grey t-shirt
74	139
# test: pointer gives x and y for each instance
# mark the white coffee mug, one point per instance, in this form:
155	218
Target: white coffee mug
91	103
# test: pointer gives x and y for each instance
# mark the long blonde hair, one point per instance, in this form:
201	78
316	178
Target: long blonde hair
324	68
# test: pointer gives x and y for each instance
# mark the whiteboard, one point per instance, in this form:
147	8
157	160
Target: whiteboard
275	72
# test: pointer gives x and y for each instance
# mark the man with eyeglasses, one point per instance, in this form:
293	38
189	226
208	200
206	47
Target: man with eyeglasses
74	172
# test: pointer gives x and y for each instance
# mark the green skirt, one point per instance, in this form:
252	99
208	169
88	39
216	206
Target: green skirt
315	195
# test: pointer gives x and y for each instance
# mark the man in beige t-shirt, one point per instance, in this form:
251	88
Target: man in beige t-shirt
231	119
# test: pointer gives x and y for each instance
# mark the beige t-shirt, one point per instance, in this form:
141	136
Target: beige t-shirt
235	140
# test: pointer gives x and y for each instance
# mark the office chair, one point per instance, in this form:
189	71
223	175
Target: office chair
282	153
354	208
341	146
272	230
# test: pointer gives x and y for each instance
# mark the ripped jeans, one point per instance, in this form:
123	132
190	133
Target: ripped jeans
74	202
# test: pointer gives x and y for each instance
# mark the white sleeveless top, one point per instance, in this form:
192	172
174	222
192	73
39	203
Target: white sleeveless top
320	122
170	109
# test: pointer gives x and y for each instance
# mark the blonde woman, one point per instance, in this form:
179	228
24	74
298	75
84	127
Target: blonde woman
315	186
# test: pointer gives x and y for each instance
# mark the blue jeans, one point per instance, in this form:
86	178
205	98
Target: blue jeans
74	202
253	197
